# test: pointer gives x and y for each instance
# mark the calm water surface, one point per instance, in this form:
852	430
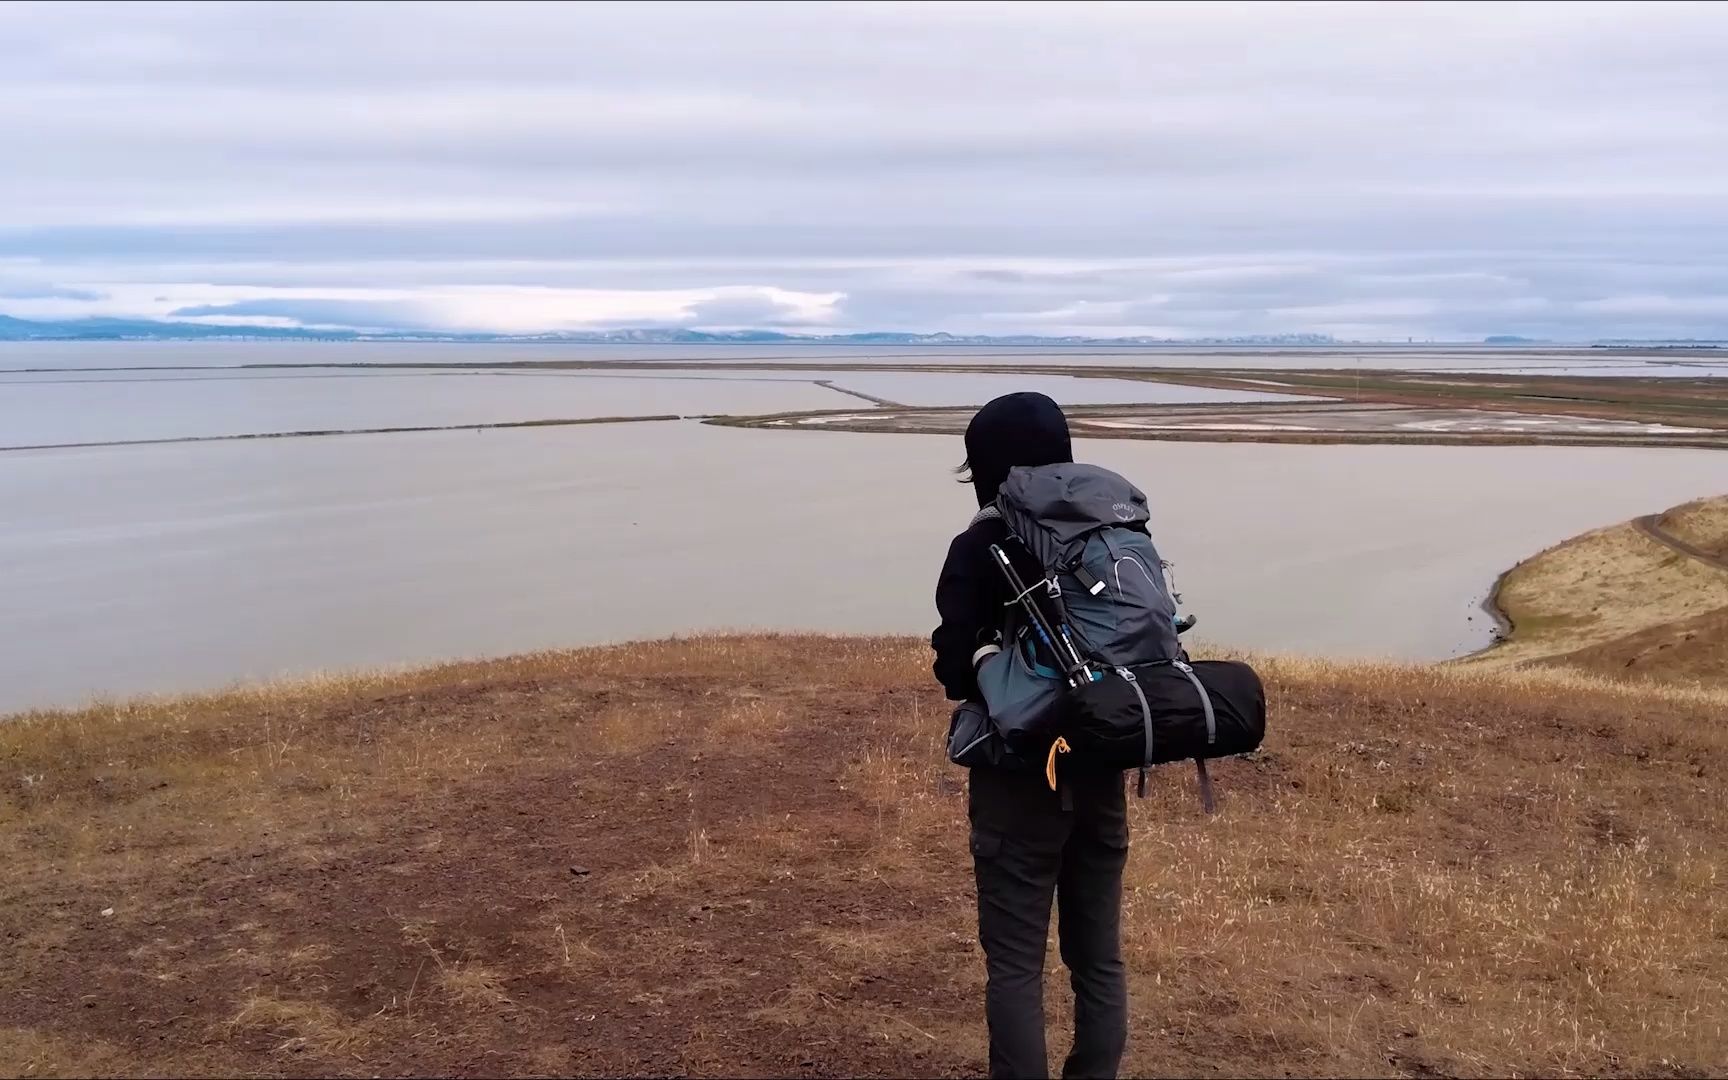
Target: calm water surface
43	408
185	566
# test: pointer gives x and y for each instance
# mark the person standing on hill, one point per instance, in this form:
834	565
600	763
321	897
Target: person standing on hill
1029	844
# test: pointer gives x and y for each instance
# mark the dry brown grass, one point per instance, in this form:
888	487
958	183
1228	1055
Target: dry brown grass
474	986
1621	603
1603	586
480	869
1703	524
1435	896
296	1026
31	1053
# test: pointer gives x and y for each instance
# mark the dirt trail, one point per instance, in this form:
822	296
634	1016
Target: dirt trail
1651	525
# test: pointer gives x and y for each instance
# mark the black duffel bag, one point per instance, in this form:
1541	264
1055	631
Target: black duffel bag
1158	713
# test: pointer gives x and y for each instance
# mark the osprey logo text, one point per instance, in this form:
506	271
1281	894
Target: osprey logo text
1124	512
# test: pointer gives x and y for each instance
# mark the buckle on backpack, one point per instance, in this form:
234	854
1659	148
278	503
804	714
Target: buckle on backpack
1084	576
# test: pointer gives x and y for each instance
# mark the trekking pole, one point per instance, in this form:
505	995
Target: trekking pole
1023	595
1074	653
1079	662
1077	672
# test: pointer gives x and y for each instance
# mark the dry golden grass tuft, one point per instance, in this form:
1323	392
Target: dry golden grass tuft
487	868
622	729
747	719
297	1025
473	986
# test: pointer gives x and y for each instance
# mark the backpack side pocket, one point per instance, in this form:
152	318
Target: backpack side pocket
969	733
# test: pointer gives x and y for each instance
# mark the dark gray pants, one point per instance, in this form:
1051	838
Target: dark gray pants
1029	845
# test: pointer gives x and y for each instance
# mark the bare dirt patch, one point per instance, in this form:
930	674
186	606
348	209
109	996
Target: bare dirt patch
476	870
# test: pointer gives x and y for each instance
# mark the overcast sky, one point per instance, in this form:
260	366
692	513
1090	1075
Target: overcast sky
1369	171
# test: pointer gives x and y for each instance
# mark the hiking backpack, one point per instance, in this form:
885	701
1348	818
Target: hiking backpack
1106	611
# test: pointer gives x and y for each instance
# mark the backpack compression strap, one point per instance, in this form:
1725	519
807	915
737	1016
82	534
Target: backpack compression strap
1207	802
1145	718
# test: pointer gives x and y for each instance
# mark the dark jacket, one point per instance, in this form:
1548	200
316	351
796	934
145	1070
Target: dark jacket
971	594
970	598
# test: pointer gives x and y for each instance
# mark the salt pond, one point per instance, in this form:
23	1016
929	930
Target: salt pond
127	569
55	408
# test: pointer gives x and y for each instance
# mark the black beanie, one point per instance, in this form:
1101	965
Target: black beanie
1018	429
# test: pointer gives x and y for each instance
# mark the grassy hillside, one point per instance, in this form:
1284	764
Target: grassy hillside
1626	603
747	855
1703	523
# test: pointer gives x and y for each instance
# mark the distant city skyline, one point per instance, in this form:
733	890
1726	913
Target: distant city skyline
1183	171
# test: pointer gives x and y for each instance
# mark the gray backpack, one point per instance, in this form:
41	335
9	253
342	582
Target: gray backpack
1126	695
1085	527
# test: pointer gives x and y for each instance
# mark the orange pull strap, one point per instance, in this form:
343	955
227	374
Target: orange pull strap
1060	746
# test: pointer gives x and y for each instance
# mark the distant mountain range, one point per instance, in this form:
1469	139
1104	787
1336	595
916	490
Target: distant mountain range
99	329
12	329
109	329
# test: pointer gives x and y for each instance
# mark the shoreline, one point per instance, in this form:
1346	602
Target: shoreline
780	422
1629	600
1504	627
331	432
1319	406
790	422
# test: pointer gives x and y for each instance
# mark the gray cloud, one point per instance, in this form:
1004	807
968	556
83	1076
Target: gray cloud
1389	170
30	291
748	311
317	311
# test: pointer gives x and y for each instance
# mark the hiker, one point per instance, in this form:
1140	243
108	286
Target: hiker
1031	844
